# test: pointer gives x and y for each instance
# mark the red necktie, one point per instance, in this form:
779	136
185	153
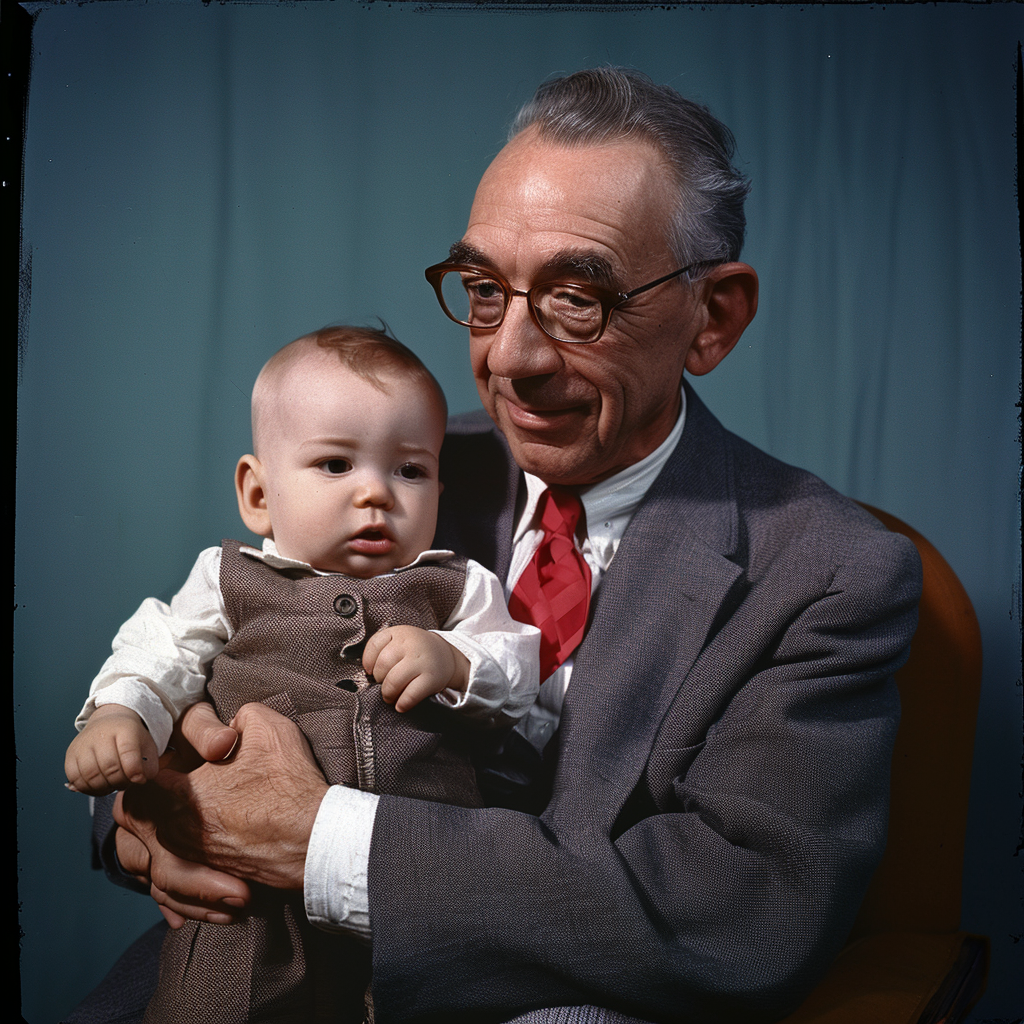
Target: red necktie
553	592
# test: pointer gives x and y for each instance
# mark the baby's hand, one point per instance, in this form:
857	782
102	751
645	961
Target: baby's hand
411	664
114	749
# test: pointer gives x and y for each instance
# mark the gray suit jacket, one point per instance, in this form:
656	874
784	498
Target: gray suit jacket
721	788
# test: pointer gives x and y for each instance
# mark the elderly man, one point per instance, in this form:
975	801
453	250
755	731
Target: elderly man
713	802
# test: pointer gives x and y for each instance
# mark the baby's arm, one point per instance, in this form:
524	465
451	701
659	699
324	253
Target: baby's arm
156	671
114	749
503	653
497	657
412	664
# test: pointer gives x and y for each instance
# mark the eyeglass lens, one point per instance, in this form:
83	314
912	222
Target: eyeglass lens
567	312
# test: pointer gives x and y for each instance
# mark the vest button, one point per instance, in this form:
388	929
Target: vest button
345	605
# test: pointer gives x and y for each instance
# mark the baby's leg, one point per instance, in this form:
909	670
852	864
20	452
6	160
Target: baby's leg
271	967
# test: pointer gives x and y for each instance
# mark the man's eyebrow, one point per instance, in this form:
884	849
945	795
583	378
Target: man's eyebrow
579	263
591	266
463	252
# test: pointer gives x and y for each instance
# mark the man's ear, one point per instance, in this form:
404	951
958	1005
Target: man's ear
252	496
730	292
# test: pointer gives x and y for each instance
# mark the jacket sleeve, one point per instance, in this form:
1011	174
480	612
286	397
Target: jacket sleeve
725	883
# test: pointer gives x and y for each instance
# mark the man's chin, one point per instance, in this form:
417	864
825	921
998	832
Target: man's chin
561	465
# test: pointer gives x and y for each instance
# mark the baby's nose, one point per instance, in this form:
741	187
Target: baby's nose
375	490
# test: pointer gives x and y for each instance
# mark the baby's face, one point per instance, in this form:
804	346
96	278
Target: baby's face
351	472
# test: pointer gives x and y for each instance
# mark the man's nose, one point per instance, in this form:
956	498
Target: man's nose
519	348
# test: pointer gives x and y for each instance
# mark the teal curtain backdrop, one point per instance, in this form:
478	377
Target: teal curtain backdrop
204	183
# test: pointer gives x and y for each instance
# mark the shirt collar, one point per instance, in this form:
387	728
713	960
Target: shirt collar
275	560
610	504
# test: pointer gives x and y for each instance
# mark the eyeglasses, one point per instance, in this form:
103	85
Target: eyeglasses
576	314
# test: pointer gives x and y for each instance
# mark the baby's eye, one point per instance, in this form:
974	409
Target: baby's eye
410	471
336	466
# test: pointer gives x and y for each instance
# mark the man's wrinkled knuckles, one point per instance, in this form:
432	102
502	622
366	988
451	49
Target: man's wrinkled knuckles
161	874
120	815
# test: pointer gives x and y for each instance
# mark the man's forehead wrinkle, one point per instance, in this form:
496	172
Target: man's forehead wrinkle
571	260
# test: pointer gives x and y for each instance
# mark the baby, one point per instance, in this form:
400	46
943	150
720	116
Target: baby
343	484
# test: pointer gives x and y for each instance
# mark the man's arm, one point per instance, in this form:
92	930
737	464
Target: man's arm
728	880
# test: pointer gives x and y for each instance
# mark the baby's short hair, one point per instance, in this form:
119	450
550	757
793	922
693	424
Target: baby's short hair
367	351
371	353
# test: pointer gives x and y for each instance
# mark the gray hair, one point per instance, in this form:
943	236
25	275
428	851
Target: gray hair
609	104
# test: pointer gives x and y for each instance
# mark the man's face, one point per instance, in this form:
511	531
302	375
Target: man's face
576	414
350	473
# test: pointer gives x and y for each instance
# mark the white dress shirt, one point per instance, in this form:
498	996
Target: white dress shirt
162	653
335	890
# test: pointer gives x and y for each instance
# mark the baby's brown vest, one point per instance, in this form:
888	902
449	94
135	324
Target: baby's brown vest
297	646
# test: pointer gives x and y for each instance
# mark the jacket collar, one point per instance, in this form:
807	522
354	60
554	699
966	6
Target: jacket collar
652	616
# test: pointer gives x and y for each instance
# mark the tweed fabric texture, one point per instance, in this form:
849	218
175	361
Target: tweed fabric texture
720	790
575	1015
122	995
720	796
297	646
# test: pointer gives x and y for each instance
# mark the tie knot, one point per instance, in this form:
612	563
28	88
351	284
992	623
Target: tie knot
560	511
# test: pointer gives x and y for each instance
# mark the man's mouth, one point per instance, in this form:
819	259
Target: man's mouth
532	417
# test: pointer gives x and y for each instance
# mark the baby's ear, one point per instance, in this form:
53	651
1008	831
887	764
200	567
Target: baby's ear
252	496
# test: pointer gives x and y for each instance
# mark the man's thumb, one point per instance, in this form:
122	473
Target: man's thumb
209	736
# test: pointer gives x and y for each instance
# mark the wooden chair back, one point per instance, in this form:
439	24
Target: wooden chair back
917	886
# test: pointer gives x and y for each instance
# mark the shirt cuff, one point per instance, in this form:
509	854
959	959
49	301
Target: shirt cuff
496	692
337	861
133	694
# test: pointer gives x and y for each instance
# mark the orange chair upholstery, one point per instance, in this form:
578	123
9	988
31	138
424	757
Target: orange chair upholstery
906	961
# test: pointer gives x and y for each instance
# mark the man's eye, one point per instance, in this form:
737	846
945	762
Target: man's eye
336	466
484	289
410	471
571	298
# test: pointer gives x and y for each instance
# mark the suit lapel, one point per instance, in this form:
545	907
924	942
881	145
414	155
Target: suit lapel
654	610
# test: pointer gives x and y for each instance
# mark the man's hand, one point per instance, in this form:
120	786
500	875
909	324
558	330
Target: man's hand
181	888
199	736
412	664
249	816
114	749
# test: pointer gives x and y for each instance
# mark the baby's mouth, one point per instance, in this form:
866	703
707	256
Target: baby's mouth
373	540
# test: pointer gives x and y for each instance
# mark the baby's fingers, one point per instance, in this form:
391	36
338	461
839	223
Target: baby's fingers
372	651
137	759
84	777
419	688
396	679
91	771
